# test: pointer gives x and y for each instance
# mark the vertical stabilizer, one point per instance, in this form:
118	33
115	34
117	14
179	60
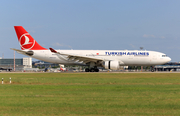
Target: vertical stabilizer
26	41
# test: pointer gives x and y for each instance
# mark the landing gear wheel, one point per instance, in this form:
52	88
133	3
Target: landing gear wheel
96	70
87	70
92	70
152	69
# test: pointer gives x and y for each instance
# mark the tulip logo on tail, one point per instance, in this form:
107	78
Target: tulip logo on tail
26	41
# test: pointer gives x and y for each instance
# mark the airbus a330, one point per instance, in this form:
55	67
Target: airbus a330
109	59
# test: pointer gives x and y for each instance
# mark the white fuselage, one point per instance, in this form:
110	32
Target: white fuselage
125	57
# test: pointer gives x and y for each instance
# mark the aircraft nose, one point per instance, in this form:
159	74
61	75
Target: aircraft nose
168	59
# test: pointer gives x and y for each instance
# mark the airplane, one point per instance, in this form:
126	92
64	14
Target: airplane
109	59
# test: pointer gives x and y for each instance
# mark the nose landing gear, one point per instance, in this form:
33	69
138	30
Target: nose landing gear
152	69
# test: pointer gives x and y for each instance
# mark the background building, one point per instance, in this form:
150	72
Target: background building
27	62
20	63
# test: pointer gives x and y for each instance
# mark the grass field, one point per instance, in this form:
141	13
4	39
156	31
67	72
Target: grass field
90	94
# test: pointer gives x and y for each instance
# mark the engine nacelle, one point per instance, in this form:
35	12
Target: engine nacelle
113	65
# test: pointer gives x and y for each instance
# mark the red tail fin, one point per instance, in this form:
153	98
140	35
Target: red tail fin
26	41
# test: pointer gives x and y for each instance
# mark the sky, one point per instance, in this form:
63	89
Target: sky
93	25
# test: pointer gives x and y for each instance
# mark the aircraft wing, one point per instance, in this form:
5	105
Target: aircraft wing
79	58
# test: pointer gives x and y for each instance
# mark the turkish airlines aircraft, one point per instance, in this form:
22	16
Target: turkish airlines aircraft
109	59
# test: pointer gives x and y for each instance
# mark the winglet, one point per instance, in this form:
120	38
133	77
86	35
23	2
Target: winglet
52	50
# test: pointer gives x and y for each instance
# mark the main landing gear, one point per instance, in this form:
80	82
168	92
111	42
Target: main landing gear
95	69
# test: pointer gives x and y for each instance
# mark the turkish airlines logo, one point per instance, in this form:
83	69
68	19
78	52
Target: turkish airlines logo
26	41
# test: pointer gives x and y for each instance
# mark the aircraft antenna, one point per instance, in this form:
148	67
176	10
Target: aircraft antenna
141	48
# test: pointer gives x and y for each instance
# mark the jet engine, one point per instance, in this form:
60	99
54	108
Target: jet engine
113	65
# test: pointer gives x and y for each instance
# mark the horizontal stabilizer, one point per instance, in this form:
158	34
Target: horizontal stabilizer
29	53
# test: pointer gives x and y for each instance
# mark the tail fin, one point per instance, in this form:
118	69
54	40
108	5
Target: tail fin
26	41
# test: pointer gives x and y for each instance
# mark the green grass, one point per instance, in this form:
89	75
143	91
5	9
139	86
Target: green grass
90	94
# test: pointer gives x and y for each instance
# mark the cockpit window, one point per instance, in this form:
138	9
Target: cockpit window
164	55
